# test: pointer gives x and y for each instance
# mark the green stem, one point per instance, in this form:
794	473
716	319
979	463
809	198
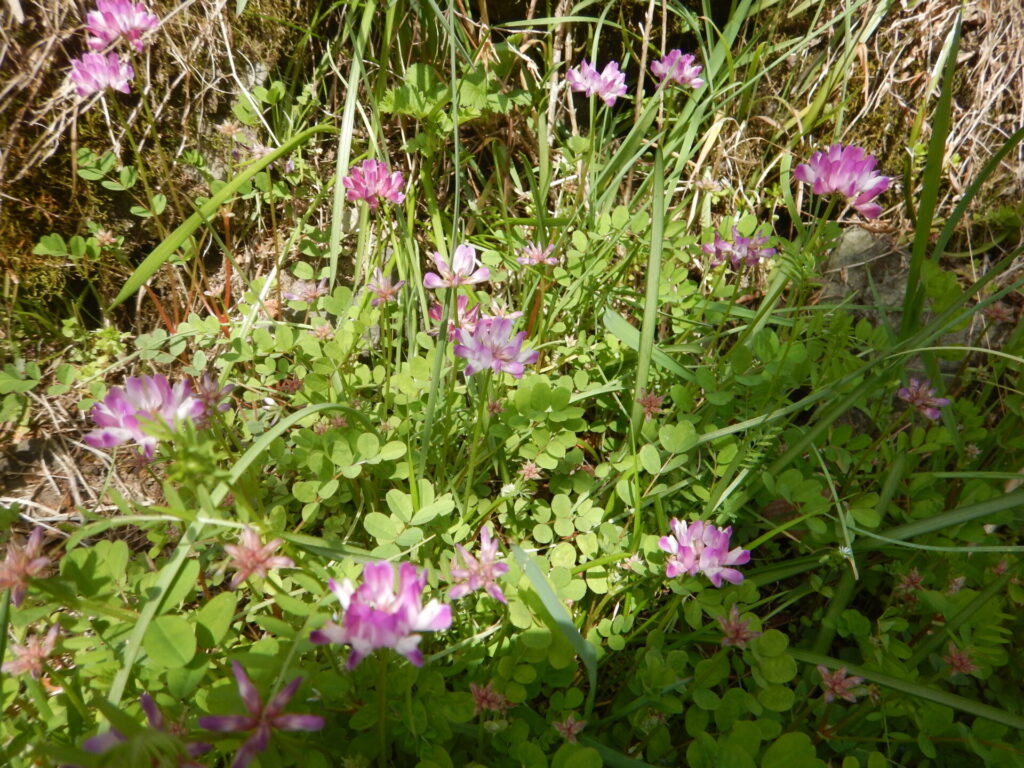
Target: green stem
382	702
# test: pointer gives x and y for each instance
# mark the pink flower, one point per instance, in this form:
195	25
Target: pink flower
492	345
113	19
22	563
212	395
609	84
742	250
959	662
371	182
570	727
849	172
123	413
308	292
262	721
736	632
465	318
382	288
533	254
837	684
678	67
463	270
251	556
486	699
921	395
480	571
376	616
95	72
31	656
702	547
651	404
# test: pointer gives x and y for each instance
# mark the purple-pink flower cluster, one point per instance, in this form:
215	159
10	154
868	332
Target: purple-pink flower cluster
21	563
700	547
480	572
847	171
534	255
491	344
741	250
116	19
261	720
679	68
464	269
112	20
485	342
921	395
377	615
124	413
608	84
95	72
371	181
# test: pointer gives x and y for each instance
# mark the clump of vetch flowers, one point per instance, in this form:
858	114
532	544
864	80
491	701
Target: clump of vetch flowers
533	254
466	318
921	395
123	414
21	563
464	270
261	720
252	557
678	67
491	345
376	615
371	181
95	72
114	19
382	288
31	656
608	84
741	250
480	572
847	171
700	547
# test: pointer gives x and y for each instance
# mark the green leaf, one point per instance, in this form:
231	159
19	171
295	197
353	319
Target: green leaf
214	619
169	642
677	438
576	756
51	245
791	750
777	698
650	459
381	527
12	381
400	504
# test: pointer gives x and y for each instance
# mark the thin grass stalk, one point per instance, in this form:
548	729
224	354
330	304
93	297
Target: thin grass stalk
345	135
650	318
930	182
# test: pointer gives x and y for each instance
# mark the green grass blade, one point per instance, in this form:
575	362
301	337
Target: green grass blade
930	181
650	320
561	618
205	212
348	116
617	325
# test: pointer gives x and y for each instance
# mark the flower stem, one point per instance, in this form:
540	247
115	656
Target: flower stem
382	701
